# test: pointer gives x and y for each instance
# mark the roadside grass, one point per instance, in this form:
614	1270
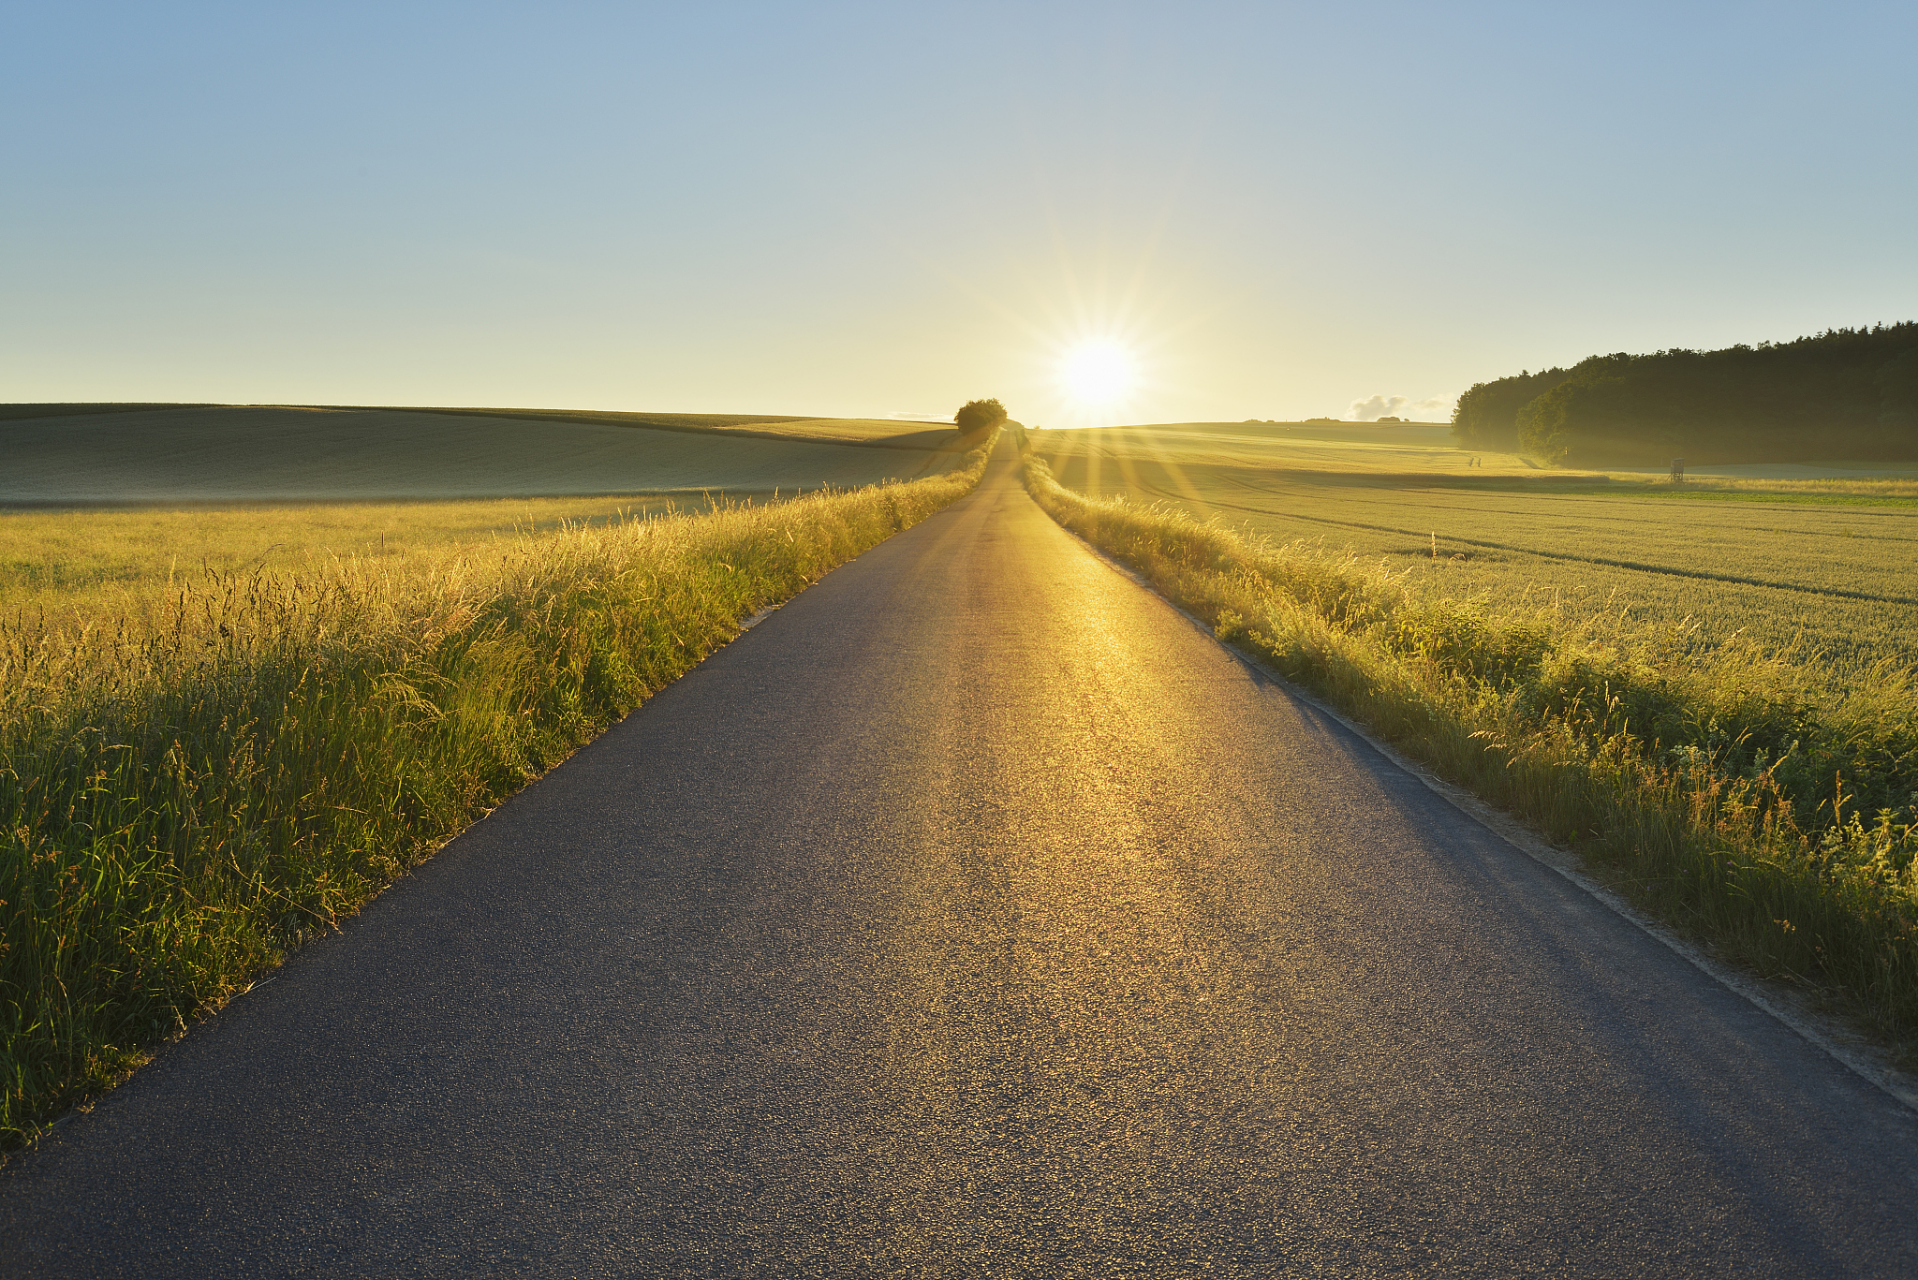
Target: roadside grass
185	797
1735	791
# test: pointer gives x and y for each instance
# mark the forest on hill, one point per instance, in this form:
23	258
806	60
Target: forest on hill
1842	394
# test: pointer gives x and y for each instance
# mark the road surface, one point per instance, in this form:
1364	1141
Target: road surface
978	915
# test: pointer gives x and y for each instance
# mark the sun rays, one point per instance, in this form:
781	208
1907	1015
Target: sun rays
1098	373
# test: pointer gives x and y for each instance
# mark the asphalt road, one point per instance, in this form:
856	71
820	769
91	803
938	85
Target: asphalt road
977	915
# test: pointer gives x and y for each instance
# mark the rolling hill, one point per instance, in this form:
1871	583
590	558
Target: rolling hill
229	453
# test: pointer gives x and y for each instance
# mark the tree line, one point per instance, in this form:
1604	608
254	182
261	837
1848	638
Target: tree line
1841	394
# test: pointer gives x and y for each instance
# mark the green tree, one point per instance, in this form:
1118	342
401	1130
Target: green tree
979	415
1844	393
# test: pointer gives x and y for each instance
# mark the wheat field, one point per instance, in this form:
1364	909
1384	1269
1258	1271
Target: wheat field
84	563
1827	570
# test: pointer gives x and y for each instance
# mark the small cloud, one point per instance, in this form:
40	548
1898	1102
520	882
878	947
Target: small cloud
1371	409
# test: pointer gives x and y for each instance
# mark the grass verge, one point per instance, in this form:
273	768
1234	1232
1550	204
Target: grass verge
184	798
1734	792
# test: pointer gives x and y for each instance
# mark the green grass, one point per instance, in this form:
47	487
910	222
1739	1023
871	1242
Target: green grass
1835	584
1741	793
226	454
188	791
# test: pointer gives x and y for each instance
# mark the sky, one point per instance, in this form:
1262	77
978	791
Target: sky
1262	211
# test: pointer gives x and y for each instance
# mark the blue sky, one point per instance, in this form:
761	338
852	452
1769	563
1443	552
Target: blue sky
866	209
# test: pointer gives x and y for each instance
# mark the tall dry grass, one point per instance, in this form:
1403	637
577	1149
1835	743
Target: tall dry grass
1735	792
186	796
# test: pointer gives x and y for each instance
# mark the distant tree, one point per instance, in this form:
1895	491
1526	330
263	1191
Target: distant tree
979	415
1486	416
1844	393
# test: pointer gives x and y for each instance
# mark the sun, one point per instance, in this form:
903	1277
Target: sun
1098	373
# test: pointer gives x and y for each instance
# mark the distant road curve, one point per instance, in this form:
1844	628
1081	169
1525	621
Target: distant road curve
977	915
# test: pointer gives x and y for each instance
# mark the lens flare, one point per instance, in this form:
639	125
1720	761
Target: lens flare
1098	373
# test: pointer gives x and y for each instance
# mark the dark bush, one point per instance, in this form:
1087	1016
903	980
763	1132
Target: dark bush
979	415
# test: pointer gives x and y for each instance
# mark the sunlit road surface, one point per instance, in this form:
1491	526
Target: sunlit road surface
976	915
